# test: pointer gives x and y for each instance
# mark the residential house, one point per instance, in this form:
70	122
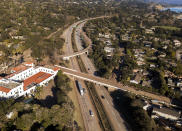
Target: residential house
108	42
170	82
165	47
162	55
136	79
149	31
179	83
18	37
177	43
140	63
147	43
107	35
108	49
152	66
126	37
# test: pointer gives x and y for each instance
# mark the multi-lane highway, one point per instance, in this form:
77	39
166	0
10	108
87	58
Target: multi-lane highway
91	122
114	117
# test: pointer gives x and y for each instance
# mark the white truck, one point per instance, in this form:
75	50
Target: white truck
80	88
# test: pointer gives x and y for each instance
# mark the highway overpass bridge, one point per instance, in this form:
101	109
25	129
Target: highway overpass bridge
67	57
112	84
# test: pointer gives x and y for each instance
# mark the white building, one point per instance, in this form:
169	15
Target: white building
108	49
18	37
24	79
177	43
165	113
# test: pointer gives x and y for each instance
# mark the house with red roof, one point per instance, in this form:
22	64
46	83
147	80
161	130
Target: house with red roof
24	79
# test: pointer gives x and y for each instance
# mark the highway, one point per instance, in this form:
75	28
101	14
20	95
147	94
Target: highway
102	81
115	118
66	33
90	123
113	115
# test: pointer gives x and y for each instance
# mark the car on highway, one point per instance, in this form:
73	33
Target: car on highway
91	113
102	97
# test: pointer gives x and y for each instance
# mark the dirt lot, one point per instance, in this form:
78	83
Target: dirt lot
47	90
46	97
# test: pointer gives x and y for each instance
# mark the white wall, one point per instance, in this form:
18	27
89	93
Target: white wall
19	91
15	92
167	116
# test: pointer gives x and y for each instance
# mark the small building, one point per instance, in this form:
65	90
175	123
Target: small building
166	113
170	82
177	43
136	79
149	31
152	66
107	36
108	49
140	63
28	64
125	37
162	55
18	37
108	42
179	83
147	43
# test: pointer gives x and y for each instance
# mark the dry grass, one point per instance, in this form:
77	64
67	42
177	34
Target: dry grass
47	90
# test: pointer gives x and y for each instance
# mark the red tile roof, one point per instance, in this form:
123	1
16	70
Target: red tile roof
56	68
19	68
37	78
4	89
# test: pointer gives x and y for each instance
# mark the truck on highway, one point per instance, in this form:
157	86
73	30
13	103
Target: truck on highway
79	86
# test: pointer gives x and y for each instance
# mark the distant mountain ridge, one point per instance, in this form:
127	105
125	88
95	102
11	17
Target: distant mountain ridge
172	2
175	2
